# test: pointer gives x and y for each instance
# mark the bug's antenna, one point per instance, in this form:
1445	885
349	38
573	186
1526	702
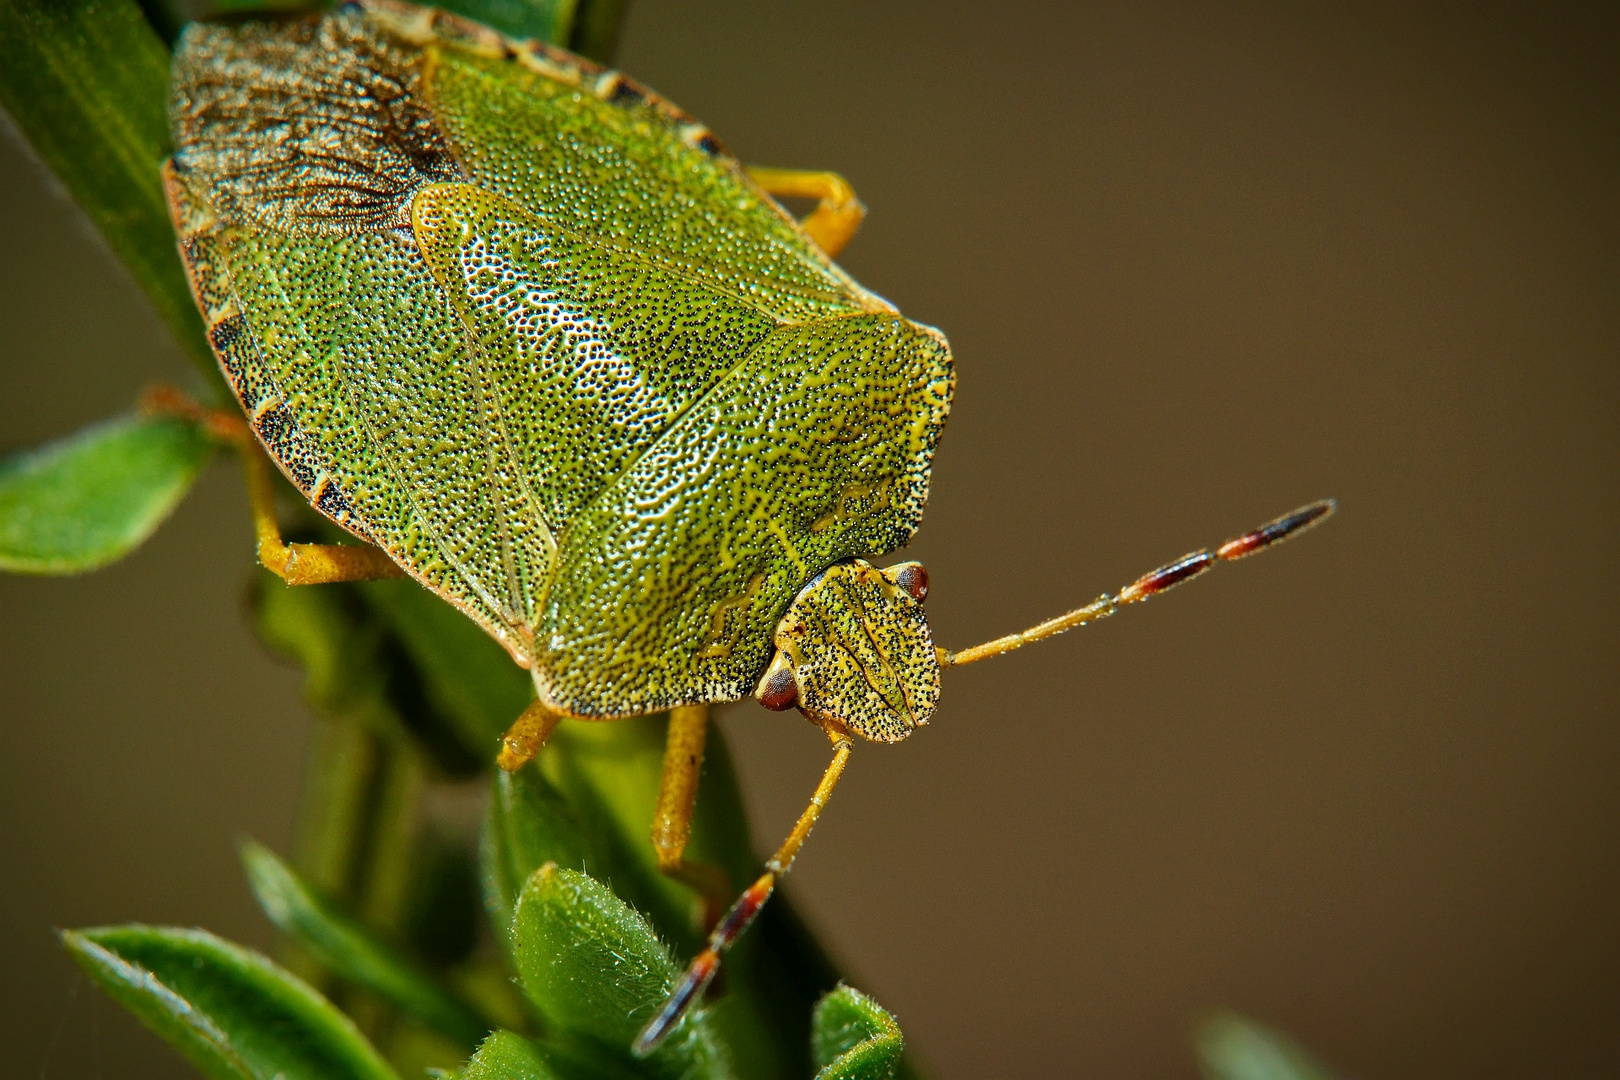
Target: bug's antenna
1183	569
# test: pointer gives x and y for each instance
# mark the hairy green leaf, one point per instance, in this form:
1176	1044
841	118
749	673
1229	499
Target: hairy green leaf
229	1010
526	825
86	81
608	776
596	972
1232	1047
84	501
853	1038
589	963
353	952
609	773
505	1056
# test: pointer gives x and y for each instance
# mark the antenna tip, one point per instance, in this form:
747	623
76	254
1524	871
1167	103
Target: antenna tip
1275	532
692	984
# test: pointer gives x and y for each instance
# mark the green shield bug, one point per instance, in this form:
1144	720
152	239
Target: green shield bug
535	337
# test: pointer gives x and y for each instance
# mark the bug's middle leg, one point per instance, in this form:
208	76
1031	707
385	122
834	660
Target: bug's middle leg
296	564
304	564
677	796
838	212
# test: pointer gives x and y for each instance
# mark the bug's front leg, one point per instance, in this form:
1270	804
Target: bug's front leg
838	212
706	964
672	820
527	735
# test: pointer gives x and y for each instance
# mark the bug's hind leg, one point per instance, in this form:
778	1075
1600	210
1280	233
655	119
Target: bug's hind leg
706	964
304	564
672	821
296	564
838	212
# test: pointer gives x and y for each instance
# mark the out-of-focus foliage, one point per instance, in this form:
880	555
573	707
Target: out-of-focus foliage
230	1011
86	83
346	946
1232	1047
90	499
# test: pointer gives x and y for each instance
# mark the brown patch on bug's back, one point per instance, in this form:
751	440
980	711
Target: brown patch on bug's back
305	126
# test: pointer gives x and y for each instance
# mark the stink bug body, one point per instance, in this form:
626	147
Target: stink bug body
532	332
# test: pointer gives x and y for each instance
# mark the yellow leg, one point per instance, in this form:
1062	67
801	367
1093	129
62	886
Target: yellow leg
838	213
672	821
296	564
706	964
304	564
526	736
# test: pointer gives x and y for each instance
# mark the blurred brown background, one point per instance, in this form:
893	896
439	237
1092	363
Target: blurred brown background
1198	266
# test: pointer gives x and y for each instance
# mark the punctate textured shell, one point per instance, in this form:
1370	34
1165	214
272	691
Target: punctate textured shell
531	330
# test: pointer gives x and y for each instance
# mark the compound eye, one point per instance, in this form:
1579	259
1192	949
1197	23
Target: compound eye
779	691
914	580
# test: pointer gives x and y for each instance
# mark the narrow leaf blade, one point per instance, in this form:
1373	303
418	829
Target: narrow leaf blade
87	500
853	1038
353	952
229	1010
86	81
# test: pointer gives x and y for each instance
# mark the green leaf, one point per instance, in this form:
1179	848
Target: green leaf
853	1038
526	825
341	943
1232	1047
596	29
596	971
608	775
589	27
86	81
589	963
84	501
168	17
229	1010
505	1056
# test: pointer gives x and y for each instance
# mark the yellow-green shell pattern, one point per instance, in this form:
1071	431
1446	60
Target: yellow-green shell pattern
530	329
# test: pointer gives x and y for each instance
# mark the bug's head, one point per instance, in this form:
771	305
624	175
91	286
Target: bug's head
854	648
